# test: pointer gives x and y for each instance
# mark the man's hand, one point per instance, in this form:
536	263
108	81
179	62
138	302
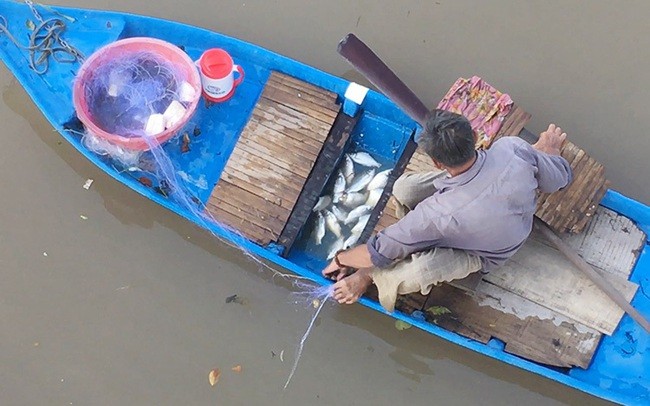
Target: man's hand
550	141
332	271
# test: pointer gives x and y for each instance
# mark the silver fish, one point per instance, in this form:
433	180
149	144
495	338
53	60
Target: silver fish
322	203
351	241
339	185
356	213
338	245
348	168
379	181
361	224
352	199
319	230
332	223
364	158
339	213
373	197
360	182
336	197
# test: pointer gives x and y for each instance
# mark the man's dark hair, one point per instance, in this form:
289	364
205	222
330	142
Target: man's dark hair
448	138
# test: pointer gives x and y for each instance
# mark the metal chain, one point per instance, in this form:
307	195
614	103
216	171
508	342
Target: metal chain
64	44
30	4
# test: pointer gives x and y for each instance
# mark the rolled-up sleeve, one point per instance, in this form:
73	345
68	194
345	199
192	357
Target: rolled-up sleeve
553	172
415	232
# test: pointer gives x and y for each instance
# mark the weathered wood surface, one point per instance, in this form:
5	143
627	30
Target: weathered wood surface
492	312
540	273
273	158
515	121
611	242
571	209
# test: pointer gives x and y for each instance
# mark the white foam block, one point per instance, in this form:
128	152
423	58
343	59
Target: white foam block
155	124
174	113
356	93
186	92
112	90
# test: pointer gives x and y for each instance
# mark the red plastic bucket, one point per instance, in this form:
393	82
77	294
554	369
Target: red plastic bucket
124	48
218	75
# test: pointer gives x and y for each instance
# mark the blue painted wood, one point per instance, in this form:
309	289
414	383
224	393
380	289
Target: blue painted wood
620	370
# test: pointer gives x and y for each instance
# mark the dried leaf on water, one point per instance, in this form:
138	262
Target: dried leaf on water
236	368
213	376
402	325
88	183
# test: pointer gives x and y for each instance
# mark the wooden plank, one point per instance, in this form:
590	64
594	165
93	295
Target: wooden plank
611	242
541	274
260	172
302	85
242	226
270	162
294	102
570	209
286	159
270	138
317	99
273	192
291	119
243	197
534	333
248	214
323	167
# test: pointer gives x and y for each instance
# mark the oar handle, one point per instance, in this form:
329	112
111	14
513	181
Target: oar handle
379	74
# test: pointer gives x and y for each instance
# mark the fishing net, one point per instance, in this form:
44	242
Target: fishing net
124	94
131	103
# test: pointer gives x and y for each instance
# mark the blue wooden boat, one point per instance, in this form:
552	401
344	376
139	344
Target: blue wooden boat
219	183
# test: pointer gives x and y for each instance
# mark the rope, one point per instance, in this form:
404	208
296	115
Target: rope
44	41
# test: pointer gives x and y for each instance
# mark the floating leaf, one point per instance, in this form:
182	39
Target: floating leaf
30	25
402	325
236	368
438	310
213	376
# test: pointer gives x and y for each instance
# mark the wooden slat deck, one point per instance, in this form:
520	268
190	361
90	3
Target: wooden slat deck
273	158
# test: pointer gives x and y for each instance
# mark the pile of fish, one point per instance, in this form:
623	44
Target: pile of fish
345	211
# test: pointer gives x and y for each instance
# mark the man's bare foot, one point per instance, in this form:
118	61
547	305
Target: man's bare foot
349	289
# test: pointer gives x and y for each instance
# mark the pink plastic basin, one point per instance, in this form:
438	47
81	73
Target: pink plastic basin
123	48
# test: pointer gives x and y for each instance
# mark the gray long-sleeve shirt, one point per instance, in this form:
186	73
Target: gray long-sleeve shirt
487	210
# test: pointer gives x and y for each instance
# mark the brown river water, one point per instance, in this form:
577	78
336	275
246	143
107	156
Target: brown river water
108	299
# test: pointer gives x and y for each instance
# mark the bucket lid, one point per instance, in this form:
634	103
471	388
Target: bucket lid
216	63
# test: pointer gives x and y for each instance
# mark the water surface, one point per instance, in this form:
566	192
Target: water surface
128	306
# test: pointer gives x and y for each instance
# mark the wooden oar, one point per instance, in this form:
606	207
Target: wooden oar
363	59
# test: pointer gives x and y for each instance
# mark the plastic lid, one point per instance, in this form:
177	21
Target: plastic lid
216	63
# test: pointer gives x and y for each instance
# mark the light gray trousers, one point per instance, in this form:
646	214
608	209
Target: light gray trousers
425	269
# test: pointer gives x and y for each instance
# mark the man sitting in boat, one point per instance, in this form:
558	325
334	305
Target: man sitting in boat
471	217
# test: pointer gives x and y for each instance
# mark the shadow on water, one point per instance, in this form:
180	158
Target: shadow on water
414	350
